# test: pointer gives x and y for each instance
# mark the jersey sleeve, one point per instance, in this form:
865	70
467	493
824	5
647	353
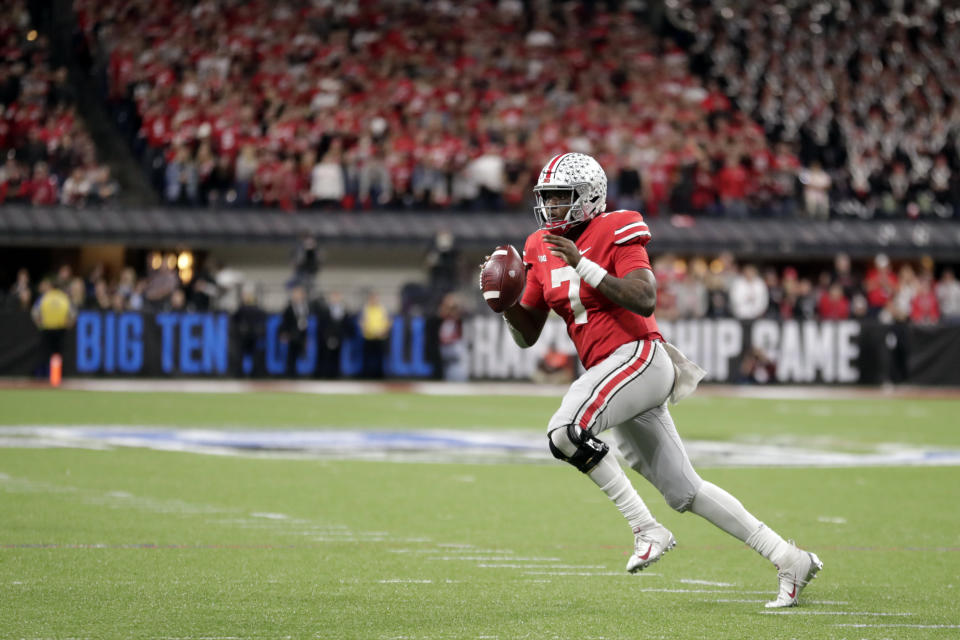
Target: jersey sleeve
629	228
533	290
630	235
630	258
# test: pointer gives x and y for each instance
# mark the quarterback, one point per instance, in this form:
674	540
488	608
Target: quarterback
591	267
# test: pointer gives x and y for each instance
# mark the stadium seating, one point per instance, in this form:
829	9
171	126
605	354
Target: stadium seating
48	156
869	90
436	105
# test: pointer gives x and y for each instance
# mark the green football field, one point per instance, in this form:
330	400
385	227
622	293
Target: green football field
101	540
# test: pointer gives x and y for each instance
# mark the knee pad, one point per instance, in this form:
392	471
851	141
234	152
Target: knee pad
586	451
680	501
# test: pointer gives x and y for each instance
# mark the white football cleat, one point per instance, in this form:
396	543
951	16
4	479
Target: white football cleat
794	577
649	545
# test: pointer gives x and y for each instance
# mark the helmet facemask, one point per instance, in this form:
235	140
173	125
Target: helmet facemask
566	212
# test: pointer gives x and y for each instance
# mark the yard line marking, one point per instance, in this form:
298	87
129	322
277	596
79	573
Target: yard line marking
831	520
748	600
404	581
801	612
503	558
508	565
707	583
578	573
900	626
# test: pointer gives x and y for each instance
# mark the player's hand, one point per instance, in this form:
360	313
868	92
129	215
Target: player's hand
564	248
480	275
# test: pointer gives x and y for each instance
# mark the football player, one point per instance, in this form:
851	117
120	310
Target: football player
591	268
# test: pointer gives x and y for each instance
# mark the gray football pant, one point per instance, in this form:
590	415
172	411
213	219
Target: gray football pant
627	395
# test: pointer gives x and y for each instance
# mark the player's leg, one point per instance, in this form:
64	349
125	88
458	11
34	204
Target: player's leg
651	445
606	394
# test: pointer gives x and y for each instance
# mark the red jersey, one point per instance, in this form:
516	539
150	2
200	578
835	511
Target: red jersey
597	326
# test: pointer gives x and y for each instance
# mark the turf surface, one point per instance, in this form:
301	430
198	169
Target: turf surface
132	543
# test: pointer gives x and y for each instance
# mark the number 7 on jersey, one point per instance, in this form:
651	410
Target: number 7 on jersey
563	274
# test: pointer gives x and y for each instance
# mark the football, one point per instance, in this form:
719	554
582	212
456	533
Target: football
502	278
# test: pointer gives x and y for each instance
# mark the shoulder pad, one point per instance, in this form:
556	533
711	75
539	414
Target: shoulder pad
627	227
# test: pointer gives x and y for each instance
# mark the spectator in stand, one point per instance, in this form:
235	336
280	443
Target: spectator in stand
732	187
247	164
924	309
748	294
75	188
816	191
101	299
181	180
160	286
77	291
859	86
833	304
43	188
102	187
39	131
327	184
901	305
20	295
775	293
690	290
948	297
177	301
805	306
880	285
843	275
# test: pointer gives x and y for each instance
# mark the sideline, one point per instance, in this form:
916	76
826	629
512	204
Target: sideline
519	388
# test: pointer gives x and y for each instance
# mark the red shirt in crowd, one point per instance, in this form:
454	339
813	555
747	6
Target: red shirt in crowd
924	308
732	182
880	287
831	308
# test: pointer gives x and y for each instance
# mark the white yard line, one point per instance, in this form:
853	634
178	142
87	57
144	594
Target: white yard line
807	612
707	583
900	626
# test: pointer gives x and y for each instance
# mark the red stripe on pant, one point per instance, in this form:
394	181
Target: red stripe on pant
628	370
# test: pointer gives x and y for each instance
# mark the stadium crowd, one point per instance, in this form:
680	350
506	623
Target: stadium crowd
868	91
46	154
434	104
689	288
457	105
720	288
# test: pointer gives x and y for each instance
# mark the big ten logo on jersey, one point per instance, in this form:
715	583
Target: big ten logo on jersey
807	351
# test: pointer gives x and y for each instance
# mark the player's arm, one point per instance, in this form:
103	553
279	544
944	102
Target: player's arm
525	323
636	291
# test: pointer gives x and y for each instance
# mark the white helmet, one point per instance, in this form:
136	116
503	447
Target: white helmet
580	184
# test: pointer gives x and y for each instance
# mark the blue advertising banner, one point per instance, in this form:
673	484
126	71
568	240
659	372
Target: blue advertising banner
205	344
186	344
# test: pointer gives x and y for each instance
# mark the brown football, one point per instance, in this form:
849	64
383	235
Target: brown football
502	278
